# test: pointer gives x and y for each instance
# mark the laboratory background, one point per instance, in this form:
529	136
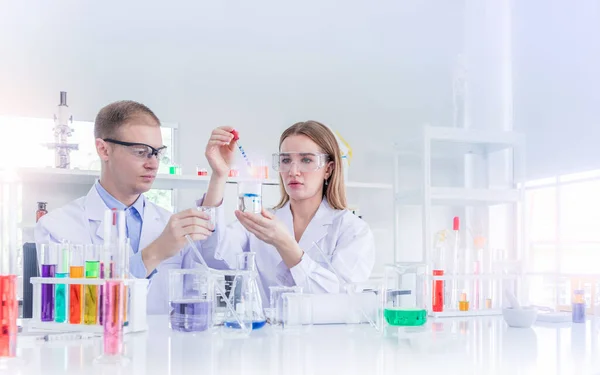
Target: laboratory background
469	136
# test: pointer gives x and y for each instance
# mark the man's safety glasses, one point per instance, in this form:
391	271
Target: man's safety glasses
140	150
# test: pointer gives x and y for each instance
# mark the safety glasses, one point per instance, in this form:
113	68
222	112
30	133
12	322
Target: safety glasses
304	161
140	150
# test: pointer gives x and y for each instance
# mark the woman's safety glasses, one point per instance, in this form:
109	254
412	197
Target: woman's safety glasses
304	161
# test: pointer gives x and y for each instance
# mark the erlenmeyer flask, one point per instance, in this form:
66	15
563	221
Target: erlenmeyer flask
245	295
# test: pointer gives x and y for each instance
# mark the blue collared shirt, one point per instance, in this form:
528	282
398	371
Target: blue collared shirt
134	219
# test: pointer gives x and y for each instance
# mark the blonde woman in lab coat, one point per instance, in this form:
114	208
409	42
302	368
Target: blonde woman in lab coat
312	210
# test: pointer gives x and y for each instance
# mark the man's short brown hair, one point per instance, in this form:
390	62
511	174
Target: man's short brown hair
113	116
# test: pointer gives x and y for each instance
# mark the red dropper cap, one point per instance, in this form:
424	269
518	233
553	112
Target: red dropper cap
236	135
456	223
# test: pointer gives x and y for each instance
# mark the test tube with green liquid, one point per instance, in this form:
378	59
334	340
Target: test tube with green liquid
61	295
90	293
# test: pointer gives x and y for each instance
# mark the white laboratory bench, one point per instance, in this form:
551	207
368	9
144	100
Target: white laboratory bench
448	346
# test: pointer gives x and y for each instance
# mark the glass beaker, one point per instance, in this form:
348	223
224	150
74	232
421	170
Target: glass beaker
276	301
191	300
245	296
223	280
250	196
405	294
297	312
363	303
211	212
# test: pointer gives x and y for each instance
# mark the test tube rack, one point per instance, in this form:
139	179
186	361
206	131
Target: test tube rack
136	303
496	280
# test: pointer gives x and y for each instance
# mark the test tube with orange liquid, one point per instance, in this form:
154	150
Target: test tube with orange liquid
76	271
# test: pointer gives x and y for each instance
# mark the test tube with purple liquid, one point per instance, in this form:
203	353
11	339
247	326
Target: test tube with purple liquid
48	261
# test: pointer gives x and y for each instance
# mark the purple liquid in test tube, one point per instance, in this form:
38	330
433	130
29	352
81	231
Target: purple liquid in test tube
579	306
579	313
48	270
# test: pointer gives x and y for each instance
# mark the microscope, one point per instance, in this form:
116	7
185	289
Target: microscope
62	130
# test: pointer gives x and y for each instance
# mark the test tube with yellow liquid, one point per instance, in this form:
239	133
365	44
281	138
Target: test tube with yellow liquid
90	293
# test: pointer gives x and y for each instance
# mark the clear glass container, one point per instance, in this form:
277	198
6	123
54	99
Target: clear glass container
211	212
191	294
297	312
223	280
405	292
363	303
250	196
245	296
276	302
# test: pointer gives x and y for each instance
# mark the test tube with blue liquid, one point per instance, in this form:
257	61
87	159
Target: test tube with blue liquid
62	271
48	263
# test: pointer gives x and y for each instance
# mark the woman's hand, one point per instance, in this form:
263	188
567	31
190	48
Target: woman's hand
267	228
219	150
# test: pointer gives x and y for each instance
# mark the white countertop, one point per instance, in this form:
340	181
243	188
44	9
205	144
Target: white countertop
448	346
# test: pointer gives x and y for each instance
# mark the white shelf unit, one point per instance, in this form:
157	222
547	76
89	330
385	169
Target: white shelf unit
433	143
162	181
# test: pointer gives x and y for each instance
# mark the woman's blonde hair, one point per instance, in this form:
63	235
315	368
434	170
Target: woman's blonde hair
335	189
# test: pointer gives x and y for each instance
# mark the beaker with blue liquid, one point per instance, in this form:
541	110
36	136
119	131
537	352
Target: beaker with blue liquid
245	296
250	195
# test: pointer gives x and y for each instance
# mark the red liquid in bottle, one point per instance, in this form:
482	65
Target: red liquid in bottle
8	316
438	292
41	211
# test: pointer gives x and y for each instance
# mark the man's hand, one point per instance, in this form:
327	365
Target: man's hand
190	222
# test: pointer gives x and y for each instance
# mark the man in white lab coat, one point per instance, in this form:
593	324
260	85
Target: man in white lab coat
129	144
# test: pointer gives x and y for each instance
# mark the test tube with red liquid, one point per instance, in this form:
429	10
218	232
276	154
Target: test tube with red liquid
113	303
9	309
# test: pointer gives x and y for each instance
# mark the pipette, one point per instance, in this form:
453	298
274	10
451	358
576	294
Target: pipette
67	336
455	228
217	285
236	137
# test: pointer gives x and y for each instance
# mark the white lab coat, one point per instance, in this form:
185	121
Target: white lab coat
345	239
81	222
